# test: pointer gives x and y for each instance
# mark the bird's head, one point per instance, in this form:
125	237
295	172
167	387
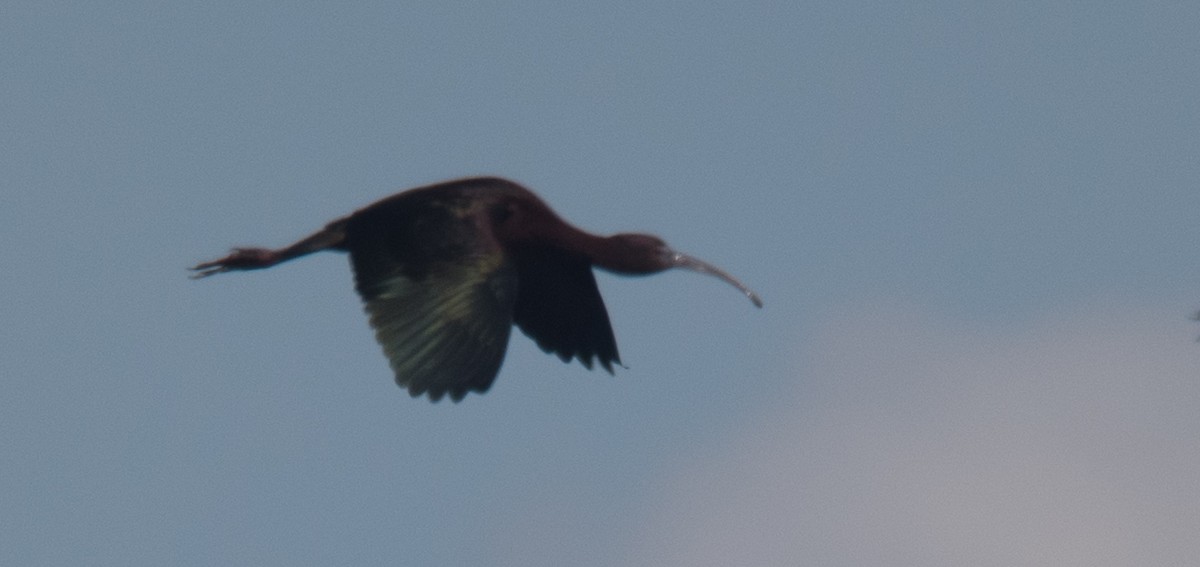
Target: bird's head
635	254
641	254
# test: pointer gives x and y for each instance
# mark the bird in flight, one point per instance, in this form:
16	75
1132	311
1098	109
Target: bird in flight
446	270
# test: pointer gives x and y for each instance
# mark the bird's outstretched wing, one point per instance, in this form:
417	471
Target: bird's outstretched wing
439	296
447	333
560	308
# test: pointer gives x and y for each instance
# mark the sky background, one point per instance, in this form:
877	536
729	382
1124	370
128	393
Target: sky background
976	231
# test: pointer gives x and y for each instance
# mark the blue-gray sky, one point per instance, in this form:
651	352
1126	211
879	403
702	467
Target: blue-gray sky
975	229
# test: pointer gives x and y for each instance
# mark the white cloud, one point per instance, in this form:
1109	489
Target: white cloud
913	441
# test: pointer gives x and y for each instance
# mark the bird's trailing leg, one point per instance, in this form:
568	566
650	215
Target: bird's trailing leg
238	259
258	258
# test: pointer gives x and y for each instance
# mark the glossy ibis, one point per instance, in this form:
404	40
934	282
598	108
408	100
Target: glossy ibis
446	270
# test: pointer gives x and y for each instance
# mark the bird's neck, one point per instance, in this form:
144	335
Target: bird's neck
596	249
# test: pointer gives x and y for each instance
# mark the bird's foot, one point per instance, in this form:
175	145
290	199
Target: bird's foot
238	259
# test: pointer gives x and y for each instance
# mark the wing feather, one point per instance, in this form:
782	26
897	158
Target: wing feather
446	334
438	289
560	308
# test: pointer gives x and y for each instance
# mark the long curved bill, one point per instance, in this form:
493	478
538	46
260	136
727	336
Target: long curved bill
681	260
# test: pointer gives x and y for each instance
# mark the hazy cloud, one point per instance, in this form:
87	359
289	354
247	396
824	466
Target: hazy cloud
916	441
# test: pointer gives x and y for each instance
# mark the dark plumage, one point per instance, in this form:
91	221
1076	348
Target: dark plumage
446	270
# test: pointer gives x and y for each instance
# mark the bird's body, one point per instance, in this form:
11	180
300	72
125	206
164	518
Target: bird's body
446	270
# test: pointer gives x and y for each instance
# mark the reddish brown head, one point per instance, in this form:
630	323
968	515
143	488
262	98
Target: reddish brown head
640	254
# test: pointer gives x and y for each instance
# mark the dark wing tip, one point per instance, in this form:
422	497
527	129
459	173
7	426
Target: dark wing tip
435	394
607	363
